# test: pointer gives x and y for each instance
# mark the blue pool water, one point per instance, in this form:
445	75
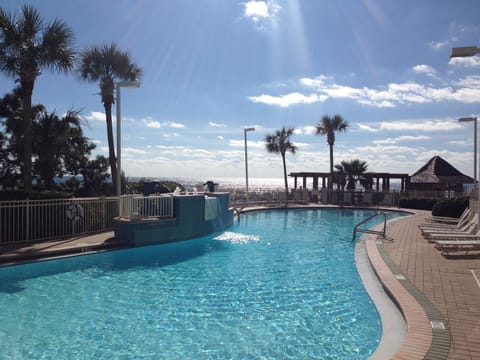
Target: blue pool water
277	285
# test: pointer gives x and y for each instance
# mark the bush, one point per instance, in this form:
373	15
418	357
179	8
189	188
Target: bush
450	207
420	204
9	195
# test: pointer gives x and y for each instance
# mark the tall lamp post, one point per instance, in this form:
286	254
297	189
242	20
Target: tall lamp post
475	185
474	119
467	51
245	130
120	84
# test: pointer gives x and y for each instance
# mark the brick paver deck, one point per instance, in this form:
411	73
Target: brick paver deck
451	286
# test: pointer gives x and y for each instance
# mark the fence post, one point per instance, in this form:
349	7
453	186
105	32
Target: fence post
27	220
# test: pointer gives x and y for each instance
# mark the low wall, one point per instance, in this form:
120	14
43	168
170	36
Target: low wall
193	216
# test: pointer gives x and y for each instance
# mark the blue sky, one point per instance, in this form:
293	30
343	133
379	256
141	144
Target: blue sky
213	67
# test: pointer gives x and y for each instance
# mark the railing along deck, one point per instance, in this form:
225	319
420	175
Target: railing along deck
39	220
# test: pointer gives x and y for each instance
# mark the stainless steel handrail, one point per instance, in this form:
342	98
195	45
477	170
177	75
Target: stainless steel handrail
370	231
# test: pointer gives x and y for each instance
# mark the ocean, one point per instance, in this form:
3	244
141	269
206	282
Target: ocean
254	184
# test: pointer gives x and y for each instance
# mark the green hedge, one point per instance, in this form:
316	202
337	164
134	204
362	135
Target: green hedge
420	204
450	207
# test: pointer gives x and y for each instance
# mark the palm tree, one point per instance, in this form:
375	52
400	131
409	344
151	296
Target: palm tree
28	46
353	170
107	64
329	126
280	143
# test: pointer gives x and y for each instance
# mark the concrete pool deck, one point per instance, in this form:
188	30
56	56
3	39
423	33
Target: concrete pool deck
428	288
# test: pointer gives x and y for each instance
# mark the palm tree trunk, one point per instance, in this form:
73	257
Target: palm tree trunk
111	145
285	178
330	178
27	89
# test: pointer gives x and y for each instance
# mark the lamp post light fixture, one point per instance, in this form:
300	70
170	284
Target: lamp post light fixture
475	184
120	84
465	51
245	130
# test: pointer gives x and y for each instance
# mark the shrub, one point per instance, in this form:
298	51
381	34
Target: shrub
420	204
450	207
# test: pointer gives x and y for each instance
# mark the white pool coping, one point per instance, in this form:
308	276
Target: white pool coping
394	327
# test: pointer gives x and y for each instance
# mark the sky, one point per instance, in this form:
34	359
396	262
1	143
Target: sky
213	67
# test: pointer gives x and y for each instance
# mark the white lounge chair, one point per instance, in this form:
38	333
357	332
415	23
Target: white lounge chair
441	220
431	235
448	220
464	219
451	246
471	234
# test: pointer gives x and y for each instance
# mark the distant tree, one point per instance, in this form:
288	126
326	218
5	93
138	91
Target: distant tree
78	151
279	142
95	173
338	178
27	46
11	111
4	166
54	142
353	170
107	64
328	126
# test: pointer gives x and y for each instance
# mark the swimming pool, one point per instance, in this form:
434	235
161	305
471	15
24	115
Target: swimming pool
279	284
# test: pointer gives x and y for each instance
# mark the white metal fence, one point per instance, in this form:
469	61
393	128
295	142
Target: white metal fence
325	196
151	206
39	220
24	221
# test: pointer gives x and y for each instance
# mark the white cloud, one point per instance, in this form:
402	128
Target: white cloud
174	125
391	95
262	13
96	116
169	147
367	128
401	138
306	130
133	151
287	100
469	81
425	69
256	10
473	61
154	124
170	135
420	125
250	143
213	124
460	142
381	149
315	82
438	44
220	137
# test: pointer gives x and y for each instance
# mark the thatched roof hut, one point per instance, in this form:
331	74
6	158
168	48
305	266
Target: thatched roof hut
438	174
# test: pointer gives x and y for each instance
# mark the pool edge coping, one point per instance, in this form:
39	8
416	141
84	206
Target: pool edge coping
421	340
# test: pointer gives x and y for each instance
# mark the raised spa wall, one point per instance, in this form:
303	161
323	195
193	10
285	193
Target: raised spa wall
193	216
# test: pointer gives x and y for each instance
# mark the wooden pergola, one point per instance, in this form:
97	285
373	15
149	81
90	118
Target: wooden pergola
378	177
